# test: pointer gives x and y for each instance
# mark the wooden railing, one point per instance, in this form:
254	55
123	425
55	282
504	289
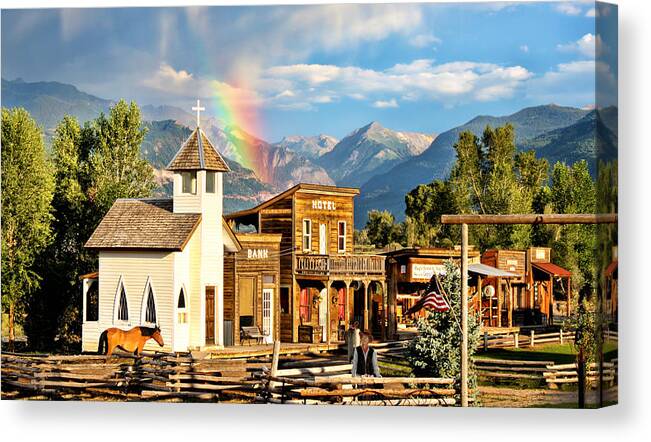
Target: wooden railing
340	265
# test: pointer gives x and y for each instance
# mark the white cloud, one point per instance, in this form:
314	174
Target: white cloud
567	83
568	9
450	83
424	40
588	46
384	104
267	37
183	84
592	12
524	48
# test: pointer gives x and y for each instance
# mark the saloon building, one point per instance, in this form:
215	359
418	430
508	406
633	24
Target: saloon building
323	285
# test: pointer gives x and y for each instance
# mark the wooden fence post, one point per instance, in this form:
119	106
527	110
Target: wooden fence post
532	341
485	340
560	336
274	365
516	340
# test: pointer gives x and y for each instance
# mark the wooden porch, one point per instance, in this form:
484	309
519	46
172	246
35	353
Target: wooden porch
351	266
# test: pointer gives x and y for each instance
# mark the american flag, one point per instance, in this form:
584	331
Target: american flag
432	300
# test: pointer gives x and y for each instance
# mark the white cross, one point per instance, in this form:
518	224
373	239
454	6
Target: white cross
198	108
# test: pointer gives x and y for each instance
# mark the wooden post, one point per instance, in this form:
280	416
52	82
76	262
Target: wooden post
569	292
485	340
478	301
499	302
510	310
516	340
464	315
392	298
274	363
366	300
550	302
560	336
532	339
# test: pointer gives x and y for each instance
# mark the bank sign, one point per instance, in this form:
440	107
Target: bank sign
426	271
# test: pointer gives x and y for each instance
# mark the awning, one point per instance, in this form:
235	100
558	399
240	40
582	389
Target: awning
490	271
551	269
611	268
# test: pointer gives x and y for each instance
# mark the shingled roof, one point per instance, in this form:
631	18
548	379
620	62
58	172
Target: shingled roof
144	224
198	153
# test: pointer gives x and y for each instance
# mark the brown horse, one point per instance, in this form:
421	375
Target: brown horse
131	341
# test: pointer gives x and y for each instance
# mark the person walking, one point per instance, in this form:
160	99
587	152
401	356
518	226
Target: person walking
365	359
352	339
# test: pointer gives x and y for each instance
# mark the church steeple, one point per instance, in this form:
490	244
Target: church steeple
197	168
198	153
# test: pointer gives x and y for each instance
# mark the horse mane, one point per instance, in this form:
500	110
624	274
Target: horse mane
147	331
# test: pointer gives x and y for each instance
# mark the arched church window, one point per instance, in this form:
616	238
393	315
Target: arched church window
181	311
150	309
123	307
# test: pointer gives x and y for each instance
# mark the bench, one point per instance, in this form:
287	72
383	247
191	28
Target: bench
250	333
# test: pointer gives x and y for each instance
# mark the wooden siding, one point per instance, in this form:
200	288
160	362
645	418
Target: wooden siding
343	211
134	268
246	264
513	261
539	254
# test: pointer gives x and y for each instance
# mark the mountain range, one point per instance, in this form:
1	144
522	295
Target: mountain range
369	151
384	163
557	133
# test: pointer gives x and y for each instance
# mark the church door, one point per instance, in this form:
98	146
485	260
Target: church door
210	315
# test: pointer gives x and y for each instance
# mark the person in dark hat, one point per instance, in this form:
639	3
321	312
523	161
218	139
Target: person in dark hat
365	359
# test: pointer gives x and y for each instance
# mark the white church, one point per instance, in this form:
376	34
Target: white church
161	261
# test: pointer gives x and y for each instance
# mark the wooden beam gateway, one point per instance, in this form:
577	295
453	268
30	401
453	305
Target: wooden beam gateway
464	220
553	218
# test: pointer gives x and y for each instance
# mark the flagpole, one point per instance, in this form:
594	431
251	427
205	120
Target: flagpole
464	315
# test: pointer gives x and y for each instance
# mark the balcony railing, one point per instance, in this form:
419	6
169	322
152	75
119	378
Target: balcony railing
354	265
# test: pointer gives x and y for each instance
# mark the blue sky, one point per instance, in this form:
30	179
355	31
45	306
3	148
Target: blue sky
281	70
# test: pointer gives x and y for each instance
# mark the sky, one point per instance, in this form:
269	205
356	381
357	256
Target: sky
306	70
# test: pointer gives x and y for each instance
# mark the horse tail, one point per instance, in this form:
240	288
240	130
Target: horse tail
102	348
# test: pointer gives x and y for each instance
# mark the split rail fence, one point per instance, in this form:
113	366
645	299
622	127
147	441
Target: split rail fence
543	373
531	338
150	377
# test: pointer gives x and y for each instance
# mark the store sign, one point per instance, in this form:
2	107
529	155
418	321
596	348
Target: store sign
323	205
426	271
257	253
512	264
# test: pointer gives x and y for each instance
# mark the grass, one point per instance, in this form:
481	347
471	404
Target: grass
394	369
559	354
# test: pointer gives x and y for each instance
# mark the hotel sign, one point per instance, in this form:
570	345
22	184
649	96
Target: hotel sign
426	271
323	205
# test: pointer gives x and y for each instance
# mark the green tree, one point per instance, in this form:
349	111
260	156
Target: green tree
573	246
380	228
116	167
94	165
424	205
436	351
27	188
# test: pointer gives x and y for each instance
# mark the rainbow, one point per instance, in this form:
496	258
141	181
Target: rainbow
235	110
234	104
